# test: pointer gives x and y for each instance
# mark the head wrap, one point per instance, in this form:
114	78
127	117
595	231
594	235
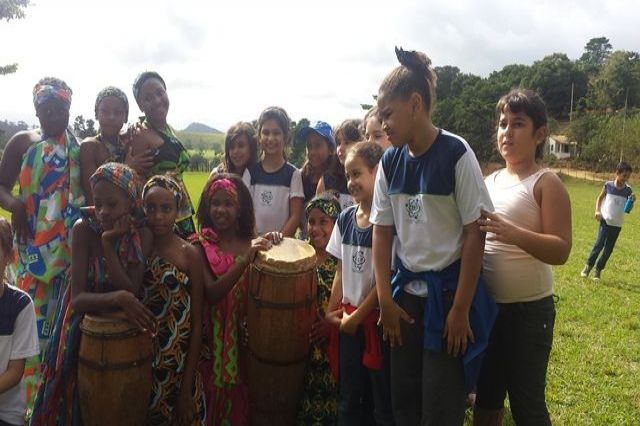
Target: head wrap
116	93
137	85
227	186
166	183
119	175
51	88
327	204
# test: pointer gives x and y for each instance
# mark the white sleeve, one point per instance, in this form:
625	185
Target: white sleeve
381	211
25	335
335	243
246	178
296	189
471	192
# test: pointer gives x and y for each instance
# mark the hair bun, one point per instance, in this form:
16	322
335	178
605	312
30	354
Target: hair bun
414	60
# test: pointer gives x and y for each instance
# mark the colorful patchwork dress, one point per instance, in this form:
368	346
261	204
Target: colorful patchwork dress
167	295
50	189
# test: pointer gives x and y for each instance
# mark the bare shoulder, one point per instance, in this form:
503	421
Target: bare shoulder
21	141
551	182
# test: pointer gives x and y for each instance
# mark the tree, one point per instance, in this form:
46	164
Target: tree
11	9
596	51
618	81
298	150
84	129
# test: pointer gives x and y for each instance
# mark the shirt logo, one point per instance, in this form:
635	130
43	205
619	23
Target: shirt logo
358	261
414	207
267	197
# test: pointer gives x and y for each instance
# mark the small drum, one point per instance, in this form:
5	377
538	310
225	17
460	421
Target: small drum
281	311
114	371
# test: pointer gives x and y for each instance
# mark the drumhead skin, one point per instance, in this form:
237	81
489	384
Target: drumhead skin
291	256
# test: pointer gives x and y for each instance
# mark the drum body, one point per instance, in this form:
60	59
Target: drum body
281	311
114	371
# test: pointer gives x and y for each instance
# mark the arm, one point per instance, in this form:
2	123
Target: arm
295	215
122	277
599	201
12	376
334	312
351	322
88	165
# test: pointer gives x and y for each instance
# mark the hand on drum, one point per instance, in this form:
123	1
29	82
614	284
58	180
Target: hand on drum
274	236
258	244
136	312
185	409
319	330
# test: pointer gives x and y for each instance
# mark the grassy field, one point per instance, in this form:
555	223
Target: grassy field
594	372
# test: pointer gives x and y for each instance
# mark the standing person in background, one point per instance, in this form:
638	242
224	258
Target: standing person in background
274	183
373	129
436	313
529	231
170	157
610	206
240	149
18	337
45	162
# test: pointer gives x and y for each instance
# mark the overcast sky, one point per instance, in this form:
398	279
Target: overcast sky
225	61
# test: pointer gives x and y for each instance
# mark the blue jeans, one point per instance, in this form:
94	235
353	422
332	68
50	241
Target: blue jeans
606	240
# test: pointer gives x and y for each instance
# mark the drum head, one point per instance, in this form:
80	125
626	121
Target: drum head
291	256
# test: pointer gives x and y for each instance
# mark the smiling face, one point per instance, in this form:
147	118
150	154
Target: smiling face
154	101
240	153
272	138
516	137
223	211
160	209
111	203
320	228
360	178
111	115
373	133
53	115
318	151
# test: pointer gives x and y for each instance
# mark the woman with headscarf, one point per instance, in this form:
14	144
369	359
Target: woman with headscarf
107	270
170	157
45	163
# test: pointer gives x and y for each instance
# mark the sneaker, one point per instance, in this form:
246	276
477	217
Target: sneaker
596	275
585	271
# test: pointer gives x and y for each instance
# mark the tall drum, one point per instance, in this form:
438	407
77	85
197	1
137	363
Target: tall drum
114	371
282	306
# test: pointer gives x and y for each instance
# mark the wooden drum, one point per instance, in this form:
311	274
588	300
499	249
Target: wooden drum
114	371
281	311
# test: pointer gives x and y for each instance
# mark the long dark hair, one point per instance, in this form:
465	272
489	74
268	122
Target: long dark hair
234	132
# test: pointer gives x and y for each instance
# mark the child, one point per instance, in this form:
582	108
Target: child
529	231
107	267
373	129
18	337
226	240
321	149
240	149
353	298
318	406
610	213
430	187
275	184
173	293
334	180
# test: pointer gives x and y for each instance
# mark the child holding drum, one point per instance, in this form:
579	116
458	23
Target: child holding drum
274	183
363	368
107	267
173	293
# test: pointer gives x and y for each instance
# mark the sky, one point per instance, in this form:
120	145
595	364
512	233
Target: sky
225	61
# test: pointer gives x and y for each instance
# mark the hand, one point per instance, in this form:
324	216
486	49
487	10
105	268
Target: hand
120	227
457	332
136	312
19	222
274	236
257	244
349	324
141	162
502	229
319	330
185	408
598	216
390	316
334	318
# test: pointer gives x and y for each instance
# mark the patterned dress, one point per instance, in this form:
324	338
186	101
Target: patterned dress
319	401
167	295
50	189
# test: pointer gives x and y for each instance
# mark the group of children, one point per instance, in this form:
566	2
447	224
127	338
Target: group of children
433	282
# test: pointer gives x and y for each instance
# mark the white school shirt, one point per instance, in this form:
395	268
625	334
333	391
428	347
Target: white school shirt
352	246
612	207
18	340
271	193
429	199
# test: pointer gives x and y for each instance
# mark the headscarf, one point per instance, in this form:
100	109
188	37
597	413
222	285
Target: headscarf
137	84
120	175
166	183
117	93
326	203
51	88
227	186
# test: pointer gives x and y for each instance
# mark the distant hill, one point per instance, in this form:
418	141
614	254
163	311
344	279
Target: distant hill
200	128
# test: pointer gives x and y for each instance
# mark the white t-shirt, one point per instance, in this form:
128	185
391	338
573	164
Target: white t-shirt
352	246
271	193
429	199
612	207
18	340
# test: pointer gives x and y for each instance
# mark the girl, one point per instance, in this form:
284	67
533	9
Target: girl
107	266
321	149
529	231
18	337
318	406
226	239
172	291
170	157
372	129
353	301
430	188
334	180
240	149
275	184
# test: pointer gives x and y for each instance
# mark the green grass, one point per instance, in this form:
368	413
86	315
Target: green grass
594	371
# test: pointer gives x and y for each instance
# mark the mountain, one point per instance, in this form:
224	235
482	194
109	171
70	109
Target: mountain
200	128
